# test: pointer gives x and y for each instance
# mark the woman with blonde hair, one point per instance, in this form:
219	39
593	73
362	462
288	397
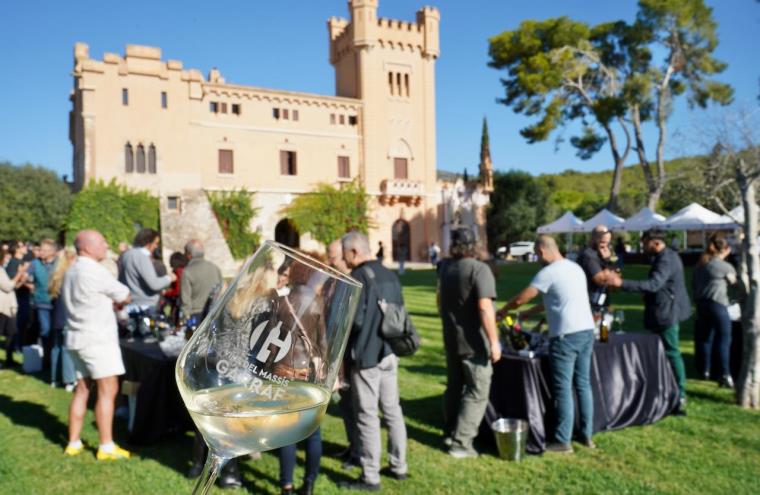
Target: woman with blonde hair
58	350
712	277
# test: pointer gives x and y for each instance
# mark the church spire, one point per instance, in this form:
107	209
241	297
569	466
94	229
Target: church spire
486	165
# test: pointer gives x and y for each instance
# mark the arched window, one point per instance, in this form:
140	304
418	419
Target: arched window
152	159
406	84
390	82
398	84
129	158
140	159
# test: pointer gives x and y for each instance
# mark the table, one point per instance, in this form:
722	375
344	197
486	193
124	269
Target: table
158	408
631	380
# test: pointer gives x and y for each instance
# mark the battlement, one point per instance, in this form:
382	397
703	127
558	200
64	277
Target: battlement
138	59
366	29
396	25
336	27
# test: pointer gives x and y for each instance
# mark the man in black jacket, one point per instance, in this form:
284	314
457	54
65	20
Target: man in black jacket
666	302
374	367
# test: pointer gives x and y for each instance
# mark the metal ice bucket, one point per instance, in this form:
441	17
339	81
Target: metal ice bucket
511	436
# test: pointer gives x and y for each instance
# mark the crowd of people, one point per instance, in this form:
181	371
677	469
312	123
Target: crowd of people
69	301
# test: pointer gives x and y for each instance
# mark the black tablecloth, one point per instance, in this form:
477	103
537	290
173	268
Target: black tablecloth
631	381
159	408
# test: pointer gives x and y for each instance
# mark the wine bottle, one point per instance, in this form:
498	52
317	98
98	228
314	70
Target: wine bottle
604	330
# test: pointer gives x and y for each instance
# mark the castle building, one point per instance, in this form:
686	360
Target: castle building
155	125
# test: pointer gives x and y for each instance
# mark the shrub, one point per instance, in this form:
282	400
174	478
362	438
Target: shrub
234	211
114	210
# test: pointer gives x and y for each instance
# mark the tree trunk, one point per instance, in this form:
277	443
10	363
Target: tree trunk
619	159
748	384
654	184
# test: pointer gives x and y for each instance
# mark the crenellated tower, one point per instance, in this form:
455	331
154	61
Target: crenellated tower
390	66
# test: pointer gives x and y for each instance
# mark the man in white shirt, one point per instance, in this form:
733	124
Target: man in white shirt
571	332
89	293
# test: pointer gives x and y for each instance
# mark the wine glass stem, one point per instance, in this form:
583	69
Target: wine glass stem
211	470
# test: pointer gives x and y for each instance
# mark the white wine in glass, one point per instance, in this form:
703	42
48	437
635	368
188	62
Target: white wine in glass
258	372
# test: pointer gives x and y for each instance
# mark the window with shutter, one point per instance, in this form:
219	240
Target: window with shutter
288	165
400	168
226	165
344	168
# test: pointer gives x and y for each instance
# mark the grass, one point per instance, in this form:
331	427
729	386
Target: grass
716	449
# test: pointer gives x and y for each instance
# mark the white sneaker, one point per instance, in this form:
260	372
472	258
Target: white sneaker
70	387
458	453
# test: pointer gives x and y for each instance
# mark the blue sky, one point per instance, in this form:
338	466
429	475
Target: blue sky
283	44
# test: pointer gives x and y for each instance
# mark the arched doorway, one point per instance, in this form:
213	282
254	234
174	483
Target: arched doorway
401	240
286	233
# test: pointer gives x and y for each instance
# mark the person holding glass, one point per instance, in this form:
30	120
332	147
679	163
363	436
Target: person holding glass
300	308
258	372
712	277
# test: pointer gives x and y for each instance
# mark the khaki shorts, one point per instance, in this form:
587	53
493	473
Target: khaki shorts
98	361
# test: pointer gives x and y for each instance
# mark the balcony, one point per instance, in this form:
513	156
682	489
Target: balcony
406	191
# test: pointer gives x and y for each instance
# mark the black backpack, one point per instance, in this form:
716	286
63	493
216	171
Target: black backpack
396	328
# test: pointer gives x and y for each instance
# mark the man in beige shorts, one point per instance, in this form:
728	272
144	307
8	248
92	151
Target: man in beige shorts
89	293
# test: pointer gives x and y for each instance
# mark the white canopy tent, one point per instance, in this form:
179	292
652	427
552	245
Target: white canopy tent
645	219
604	217
696	217
735	217
566	223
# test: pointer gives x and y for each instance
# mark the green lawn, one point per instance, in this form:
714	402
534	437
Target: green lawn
716	449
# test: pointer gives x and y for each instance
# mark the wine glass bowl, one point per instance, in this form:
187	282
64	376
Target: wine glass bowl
258	372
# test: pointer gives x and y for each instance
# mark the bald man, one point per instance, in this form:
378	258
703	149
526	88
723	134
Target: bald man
571	335
89	293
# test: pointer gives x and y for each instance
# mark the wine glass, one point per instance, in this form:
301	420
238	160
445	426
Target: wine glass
259	371
620	319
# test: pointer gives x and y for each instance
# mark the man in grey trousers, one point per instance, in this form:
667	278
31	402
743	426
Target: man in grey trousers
374	367
466	294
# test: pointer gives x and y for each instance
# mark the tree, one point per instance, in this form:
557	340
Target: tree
114	210
34	202
517	208
234	211
561	71
686	32
733	170
328	212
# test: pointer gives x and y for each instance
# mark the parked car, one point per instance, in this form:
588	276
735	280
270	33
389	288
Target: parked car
520	249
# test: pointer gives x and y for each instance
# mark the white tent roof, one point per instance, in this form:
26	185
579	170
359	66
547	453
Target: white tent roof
735	216
604	217
645	219
566	223
694	217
